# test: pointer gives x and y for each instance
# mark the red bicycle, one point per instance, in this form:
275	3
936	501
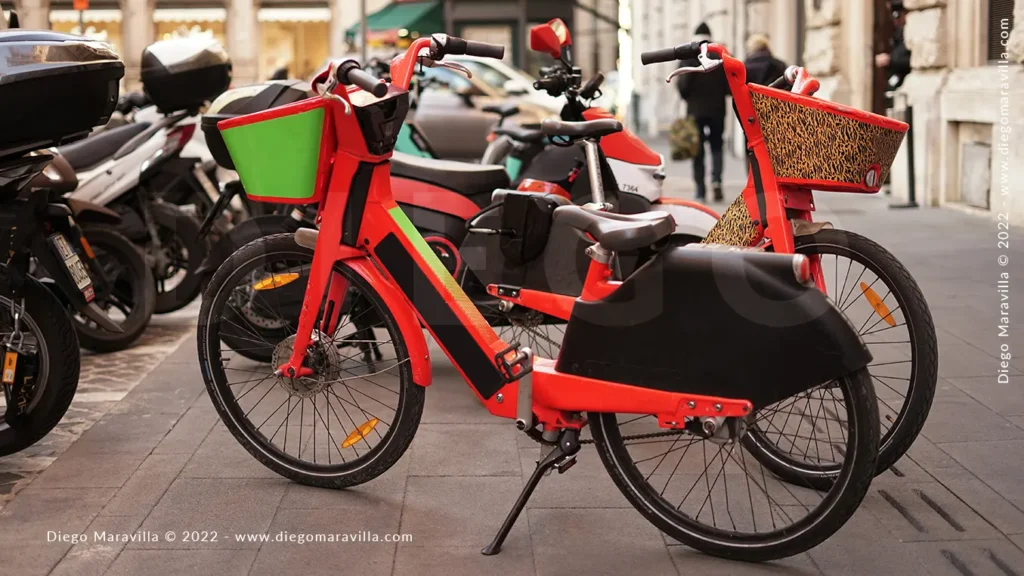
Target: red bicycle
797	144
649	367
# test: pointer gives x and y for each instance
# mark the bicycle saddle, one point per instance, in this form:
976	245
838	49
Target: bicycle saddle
520	134
588	129
618	232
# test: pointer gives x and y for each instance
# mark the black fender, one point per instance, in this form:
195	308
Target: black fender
728	323
64	286
247	231
89	213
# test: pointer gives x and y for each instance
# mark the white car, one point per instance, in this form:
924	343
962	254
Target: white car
509	80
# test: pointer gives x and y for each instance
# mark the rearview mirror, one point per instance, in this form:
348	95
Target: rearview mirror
544	39
561	32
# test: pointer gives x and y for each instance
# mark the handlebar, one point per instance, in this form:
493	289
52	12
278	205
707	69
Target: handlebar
681	52
442	45
402	66
787	79
593	85
349	72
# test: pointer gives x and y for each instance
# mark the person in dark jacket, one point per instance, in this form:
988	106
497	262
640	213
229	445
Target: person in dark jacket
705	94
762	67
897	61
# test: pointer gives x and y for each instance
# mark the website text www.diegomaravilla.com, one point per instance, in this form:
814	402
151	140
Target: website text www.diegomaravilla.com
200	537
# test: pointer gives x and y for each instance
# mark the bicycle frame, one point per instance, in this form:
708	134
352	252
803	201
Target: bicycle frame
363	227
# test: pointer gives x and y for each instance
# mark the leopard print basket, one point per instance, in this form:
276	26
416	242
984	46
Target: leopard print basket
825	146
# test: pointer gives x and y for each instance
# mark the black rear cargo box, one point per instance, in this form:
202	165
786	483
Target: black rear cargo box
54	88
184	73
247	100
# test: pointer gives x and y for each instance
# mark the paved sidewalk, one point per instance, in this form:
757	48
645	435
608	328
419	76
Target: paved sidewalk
159	460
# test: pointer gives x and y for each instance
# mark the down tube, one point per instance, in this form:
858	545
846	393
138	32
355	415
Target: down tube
448	313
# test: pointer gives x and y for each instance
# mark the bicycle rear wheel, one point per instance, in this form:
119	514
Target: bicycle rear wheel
706	493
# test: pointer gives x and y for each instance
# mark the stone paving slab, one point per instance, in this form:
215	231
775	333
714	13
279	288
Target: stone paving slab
157	459
105	380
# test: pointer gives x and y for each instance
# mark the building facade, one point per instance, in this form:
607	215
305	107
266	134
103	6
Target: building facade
966	87
263	36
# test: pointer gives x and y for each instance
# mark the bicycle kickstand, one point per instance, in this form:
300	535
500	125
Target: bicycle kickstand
562	457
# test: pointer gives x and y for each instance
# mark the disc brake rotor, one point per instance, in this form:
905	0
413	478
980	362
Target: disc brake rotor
322	356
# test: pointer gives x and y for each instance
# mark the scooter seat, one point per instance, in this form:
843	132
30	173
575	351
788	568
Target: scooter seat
618	232
586	129
462	177
95	149
520	134
502	110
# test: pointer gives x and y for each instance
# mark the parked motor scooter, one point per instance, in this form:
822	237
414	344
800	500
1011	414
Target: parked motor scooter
37	338
133	169
122	283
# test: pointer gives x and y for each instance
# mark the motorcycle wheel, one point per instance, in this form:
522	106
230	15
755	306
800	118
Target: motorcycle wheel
49	333
183	251
132	294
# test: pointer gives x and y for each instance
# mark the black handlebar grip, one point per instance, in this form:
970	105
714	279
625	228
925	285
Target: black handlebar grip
485	50
681	52
591	88
349	72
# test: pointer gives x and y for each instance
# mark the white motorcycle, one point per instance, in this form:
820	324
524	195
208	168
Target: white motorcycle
147	169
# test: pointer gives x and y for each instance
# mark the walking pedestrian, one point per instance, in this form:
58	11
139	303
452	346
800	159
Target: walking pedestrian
762	67
705	102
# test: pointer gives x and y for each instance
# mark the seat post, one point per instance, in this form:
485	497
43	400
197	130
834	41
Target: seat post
590	147
596	285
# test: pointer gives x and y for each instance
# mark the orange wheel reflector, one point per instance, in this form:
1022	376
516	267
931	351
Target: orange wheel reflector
359	433
88	249
880	308
275	281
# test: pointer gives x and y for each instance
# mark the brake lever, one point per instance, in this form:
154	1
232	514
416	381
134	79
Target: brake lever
706	65
429	62
326	91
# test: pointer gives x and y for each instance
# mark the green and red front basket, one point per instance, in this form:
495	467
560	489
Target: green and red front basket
282	155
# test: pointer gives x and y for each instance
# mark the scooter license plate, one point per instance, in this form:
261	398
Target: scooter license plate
73	264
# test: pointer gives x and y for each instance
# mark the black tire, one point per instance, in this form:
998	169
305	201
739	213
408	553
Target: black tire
904	427
134	289
51	402
371	464
177	226
837	506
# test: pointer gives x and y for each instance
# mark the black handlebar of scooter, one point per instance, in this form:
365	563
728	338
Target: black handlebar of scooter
444	45
554	85
592	86
681	52
350	72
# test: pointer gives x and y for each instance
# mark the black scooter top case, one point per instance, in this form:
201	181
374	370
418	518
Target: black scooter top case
54	87
184	73
713	321
247	100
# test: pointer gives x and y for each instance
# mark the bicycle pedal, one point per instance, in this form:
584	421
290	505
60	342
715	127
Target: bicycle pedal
566	464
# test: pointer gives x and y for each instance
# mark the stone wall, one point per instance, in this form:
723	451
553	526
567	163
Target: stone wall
958	100
1015	46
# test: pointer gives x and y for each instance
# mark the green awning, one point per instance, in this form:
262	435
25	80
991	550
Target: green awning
421	17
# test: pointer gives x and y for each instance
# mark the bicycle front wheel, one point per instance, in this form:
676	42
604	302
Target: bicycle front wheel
349	421
884	304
